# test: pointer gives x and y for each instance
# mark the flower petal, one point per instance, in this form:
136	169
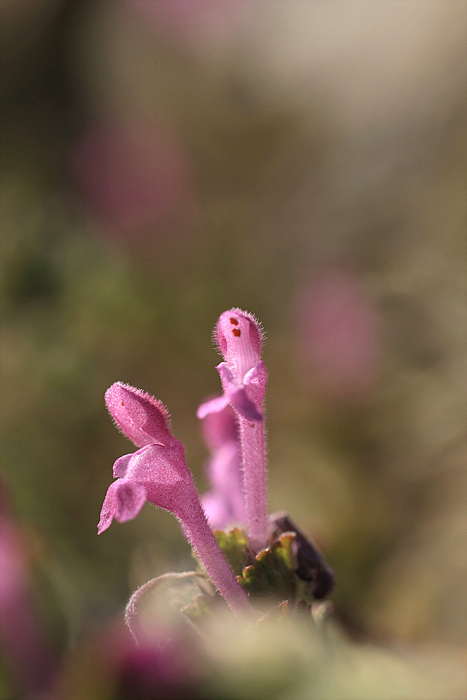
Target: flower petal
216	510
141	417
256	376
121	465
255	382
107	510
224	504
240	401
123	501
129	498
225	373
165	476
212	406
220	427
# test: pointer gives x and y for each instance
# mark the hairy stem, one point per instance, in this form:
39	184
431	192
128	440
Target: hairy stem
205	544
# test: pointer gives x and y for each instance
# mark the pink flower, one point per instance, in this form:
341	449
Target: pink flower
224	503
157	472
243	375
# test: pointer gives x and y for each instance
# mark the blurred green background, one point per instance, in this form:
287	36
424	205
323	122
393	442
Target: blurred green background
304	160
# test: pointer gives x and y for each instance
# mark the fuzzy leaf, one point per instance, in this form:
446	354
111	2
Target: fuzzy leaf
198	609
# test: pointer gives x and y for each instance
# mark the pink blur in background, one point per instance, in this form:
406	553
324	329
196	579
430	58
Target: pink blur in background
338	336
135	176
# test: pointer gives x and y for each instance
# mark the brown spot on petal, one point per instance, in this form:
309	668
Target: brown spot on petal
237	332
233	321
123	403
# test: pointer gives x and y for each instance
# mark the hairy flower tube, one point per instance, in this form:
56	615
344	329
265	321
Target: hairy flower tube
158	473
243	374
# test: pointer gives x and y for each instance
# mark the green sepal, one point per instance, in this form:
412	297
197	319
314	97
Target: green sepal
271	575
234	547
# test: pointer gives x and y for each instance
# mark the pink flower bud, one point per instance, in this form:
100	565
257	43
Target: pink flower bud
239	338
243	374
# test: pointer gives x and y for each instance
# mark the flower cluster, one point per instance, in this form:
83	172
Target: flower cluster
234	429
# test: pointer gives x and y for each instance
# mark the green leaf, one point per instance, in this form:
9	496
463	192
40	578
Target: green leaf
198	608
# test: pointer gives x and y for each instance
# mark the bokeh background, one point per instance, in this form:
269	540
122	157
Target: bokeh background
162	161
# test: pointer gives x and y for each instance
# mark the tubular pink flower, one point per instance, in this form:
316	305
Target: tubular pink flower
158	473
243	375
224	503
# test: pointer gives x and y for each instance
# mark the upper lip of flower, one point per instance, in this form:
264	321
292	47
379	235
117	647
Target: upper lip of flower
140	417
